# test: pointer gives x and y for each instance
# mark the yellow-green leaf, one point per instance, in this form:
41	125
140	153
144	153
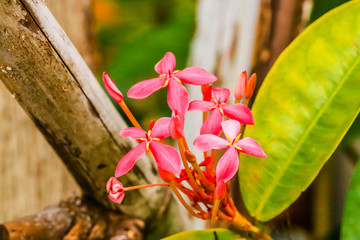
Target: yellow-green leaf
208	234
350	228
305	106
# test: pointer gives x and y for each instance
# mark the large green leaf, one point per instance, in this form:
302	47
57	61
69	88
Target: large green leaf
208	234
305	106
350	229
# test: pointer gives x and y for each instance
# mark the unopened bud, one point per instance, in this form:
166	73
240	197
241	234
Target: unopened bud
220	190
241	85
176	127
206	91
165	175
151	125
250	86
190	157
111	88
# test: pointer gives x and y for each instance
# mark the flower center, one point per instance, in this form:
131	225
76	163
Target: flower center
218	105
148	139
169	76
232	142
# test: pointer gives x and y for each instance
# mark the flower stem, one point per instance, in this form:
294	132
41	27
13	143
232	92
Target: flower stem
215	210
198	170
181	199
129	114
145	186
210	168
193	183
196	165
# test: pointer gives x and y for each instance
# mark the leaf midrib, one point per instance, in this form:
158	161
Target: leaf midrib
270	188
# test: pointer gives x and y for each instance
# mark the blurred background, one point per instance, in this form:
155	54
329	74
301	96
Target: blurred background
126	38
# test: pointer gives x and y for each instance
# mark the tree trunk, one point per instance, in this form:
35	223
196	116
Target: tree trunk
46	75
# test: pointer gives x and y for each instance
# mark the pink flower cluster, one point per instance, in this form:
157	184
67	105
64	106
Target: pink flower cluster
167	157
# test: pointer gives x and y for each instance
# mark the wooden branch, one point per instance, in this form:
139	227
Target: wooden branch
46	75
279	23
71	220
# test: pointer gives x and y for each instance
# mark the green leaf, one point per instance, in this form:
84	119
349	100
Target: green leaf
304	108
208	234
350	228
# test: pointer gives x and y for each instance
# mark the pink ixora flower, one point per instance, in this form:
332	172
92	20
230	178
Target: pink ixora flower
165	156
115	190
229	162
218	109
177	94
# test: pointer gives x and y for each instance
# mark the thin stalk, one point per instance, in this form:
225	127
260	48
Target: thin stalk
129	114
215	210
181	199
196	165
198	170
192	181
145	186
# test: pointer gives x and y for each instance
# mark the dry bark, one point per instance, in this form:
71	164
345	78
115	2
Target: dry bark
46	75
74	219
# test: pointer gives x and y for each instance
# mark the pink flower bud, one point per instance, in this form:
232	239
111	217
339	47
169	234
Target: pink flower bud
176	127
241	85
111	88
220	190
165	175
250	86
206	91
115	190
151	125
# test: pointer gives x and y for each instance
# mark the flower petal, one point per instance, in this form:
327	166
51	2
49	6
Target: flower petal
227	165
200	105
117	197
178	98
166	157
161	128
166	64
128	161
212	124
239	112
145	88
207	142
111	88
133	132
195	76
221	94
231	128
251	147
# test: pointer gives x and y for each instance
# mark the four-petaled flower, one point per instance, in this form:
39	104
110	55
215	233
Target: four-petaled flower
165	156
218	109
177	94
115	190
229	162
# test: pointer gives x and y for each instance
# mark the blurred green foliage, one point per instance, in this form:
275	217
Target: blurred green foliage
321	7
136	38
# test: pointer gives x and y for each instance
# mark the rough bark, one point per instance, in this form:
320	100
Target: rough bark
46	75
280	21
73	219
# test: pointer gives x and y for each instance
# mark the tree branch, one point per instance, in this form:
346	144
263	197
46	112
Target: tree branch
46	75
